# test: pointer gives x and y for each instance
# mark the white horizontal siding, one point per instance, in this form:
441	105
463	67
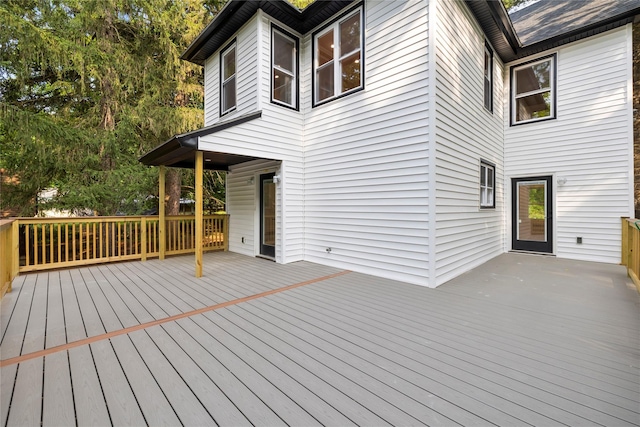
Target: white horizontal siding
588	144
246	76
366	155
466	132
243	206
277	135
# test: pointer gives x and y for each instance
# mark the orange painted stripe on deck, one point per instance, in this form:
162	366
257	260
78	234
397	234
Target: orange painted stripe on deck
63	347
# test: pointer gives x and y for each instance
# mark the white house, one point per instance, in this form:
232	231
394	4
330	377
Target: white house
417	139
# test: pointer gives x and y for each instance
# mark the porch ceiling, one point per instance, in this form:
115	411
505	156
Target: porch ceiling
180	150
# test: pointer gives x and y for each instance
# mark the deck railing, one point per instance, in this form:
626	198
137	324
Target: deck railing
631	249
31	244
8	255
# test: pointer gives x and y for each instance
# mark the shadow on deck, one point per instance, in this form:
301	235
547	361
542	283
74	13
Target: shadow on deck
520	340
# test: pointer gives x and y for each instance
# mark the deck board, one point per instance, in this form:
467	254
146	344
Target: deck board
193	341
57	397
280	376
521	340
122	403
56	331
448	335
9	301
74	323
16	329
26	403
222	409
286	408
477	333
90	406
7	383
155	407
496	389
188	408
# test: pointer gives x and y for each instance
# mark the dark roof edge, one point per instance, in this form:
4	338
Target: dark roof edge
190	139
501	17
227	12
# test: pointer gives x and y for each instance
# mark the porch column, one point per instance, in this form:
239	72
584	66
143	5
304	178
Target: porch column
199	211
162	223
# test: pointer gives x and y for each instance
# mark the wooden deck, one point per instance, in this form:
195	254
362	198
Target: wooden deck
522	340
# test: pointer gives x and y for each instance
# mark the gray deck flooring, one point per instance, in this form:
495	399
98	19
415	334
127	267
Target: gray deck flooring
521	340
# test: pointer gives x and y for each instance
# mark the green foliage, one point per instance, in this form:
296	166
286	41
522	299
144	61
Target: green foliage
509	4
536	203
86	87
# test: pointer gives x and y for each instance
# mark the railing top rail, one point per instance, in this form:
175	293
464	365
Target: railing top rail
4	223
77	219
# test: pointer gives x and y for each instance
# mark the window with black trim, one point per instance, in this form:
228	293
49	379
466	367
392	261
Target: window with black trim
284	68
337	58
228	79
487	185
488	77
533	91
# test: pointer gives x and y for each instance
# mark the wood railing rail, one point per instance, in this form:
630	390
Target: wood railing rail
631	249
33	244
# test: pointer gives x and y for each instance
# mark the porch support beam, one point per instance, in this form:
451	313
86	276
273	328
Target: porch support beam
162	223
199	211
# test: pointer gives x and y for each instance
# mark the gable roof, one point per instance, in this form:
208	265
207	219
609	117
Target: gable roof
237	12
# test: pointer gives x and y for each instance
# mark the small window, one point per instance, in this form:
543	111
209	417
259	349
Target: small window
533	91
487	185
284	68
228	79
337	57
488	78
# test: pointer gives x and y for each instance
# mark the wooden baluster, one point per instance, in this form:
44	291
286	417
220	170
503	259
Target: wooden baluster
35	244
26	245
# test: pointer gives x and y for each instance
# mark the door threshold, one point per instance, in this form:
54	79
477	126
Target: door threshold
268	258
518	251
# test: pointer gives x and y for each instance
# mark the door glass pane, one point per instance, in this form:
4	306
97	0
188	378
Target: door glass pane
268	212
532	211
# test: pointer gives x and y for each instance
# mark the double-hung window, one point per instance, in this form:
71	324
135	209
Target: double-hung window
284	68
533	90
487	185
488	78
228	79
337	56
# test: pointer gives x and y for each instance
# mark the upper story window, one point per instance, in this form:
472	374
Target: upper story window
228	79
487	185
337	58
533	88
284	68
488	78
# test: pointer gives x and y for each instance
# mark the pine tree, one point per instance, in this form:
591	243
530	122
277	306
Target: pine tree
86	87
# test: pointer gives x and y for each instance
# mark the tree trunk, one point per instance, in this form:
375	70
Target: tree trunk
173	187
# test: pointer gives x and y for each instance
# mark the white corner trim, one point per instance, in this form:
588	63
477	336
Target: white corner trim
431	52
260	57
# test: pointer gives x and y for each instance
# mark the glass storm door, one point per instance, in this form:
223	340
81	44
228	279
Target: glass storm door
267	215
532	216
